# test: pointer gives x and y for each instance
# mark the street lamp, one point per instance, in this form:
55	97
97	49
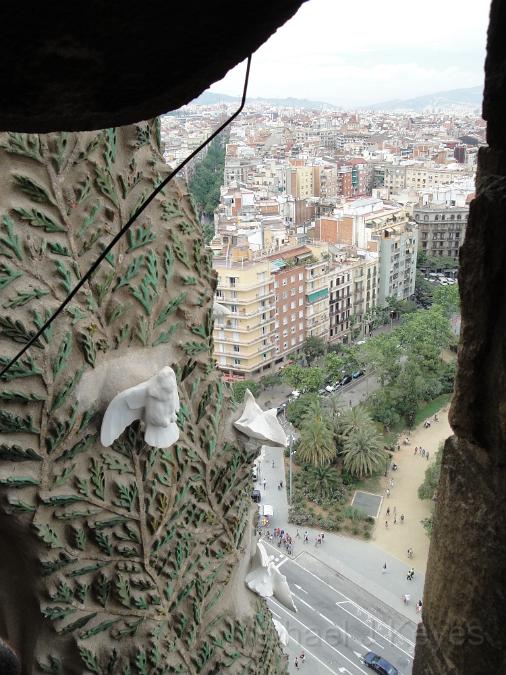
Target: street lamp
290	451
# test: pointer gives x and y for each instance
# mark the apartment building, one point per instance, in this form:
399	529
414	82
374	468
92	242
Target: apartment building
442	228
418	176
397	247
316	288
353	285
244	343
288	273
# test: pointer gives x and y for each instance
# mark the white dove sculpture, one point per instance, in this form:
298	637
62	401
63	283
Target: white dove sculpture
155	401
261	424
220	311
266	580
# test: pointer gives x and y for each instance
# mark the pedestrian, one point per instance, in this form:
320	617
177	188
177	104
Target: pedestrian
427	455
406	597
351	403
386	524
281	484
383	571
408	553
436	419
322	536
282	533
306	537
302	657
395	510
388	511
388	493
402	519
391	482
297	535
273	464
416	449
296	663
423	452
265	484
419	606
395	520
398	446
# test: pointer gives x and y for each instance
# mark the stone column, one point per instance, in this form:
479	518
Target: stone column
464	612
126	560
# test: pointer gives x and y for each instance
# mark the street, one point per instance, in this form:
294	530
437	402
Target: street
337	622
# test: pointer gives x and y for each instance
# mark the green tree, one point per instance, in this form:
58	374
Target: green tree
447	297
205	184
304	379
355	418
382	354
296	410
312	348
363	453
316	442
423	289
428	488
382	408
293	375
239	389
323	483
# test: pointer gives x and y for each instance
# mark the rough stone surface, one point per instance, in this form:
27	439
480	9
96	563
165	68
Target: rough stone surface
464	611
103	64
125	559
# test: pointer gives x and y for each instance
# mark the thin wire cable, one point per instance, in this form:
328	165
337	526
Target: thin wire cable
127	226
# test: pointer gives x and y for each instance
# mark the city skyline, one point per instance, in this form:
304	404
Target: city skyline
366	55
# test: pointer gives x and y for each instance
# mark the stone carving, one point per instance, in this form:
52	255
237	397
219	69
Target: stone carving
259	424
282	632
266	580
220	311
155	401
118	559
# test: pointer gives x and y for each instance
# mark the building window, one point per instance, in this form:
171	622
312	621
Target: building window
301	314
237	362
301	276
301	289
301	302
292	278
237	348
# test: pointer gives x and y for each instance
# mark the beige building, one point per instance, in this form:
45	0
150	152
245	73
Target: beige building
244	344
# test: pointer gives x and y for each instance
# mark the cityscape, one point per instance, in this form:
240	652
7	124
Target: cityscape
333	234
251	340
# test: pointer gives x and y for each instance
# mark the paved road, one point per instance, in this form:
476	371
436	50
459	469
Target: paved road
337	622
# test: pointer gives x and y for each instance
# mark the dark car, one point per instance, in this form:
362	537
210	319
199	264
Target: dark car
357	373
346	380
281	408
379	664
256	496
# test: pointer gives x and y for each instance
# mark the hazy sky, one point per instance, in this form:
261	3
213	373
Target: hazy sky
365	51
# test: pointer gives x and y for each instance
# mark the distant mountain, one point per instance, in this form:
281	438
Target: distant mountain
468	99
211	98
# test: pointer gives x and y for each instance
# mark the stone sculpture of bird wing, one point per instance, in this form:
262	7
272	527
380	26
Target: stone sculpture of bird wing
125	408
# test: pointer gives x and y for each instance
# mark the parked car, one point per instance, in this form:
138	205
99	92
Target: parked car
379	664
356	374
254	472
281	408
256	496
322	392
294	395
329	388
346	380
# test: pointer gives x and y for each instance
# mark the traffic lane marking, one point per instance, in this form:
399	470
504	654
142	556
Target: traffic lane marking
291	616
301	589
337	626
361	609
365	623
306	651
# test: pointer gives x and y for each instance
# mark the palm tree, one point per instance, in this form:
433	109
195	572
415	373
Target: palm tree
354	419
316	442
363	453
324	482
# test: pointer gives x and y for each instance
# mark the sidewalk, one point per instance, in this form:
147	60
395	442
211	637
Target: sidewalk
359	561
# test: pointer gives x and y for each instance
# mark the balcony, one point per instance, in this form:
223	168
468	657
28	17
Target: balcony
315	296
